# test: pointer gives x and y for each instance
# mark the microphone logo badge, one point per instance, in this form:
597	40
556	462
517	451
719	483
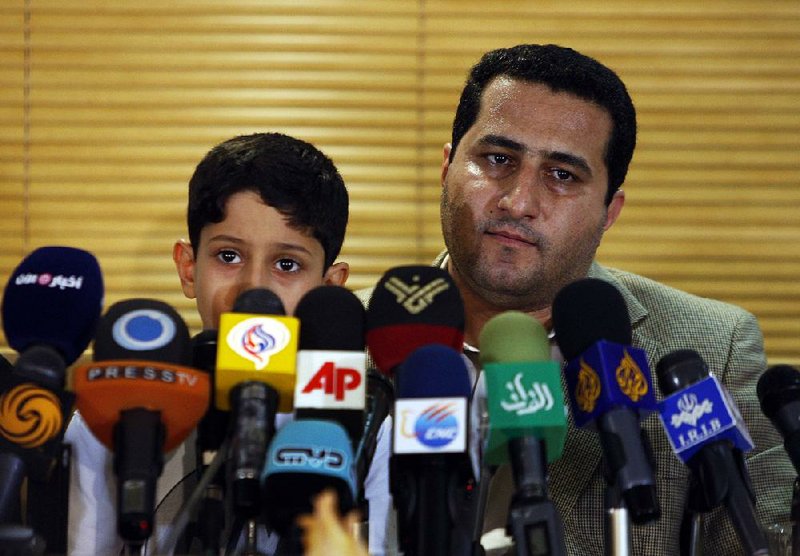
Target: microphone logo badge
436	426
333	380
631	379
690	410
415	298
524	402
143	330
46	279
30	416
587	391
297	456
257	339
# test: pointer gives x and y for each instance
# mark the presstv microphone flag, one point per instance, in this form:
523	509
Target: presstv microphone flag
253	346
700	412
609	375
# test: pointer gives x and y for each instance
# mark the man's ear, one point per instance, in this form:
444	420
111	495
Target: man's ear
183	255
336	275
614	208
446	161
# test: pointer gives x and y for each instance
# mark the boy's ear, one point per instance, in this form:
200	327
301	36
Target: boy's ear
183	255
336	275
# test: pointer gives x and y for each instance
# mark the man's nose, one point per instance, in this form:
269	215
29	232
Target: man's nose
522	196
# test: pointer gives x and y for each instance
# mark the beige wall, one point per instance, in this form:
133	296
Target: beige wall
106	106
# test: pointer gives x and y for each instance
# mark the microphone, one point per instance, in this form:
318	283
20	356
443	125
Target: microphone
256	362
609	387
53	298
331	362
211	433
778	391
50	307
429	447
413	306
305	458
527	424
707	433
140	400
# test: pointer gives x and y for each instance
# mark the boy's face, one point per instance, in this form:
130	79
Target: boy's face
253	247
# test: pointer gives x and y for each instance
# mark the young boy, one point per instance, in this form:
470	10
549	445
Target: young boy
265	210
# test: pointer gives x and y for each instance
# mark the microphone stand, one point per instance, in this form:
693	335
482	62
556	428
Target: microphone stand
795	516
532	517
617	523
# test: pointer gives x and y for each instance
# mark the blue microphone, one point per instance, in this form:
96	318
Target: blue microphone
430	464
305	458
708	434
609	387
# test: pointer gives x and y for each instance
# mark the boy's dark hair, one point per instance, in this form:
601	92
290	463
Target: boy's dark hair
563	70
290	175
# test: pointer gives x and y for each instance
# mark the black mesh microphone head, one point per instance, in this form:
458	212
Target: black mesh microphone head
778	386
143	329
331	318
259	301
587	311
680	369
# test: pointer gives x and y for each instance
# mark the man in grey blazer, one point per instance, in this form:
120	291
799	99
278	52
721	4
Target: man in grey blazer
541	143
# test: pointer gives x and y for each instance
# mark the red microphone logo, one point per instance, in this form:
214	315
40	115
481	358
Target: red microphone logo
334	380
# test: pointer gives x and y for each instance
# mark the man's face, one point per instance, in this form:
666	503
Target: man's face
253	247
522	202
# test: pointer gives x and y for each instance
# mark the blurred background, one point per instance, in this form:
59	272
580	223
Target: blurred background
107	106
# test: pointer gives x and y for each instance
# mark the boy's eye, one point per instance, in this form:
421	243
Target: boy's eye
229	257
287	265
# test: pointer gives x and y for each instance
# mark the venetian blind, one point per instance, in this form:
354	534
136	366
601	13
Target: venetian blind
109	106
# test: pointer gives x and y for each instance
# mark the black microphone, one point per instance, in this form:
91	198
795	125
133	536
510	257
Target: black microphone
50	308
708	434
609	387
331	362
778	391
211	433
430	457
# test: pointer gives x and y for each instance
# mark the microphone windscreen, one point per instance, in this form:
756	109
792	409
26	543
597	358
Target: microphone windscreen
54	297
433	371
680	369
412	306
143	329
511	337
258	301
778	386
587	311
331	318
304	458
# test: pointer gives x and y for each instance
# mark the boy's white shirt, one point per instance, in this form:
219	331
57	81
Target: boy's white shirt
92	499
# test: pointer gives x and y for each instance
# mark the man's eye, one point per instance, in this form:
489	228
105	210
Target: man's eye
229	257
562	175
287	265
498	159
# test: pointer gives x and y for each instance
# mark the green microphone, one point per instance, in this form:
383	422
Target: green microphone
527	424
523	386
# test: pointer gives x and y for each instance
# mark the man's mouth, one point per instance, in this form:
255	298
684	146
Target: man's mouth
510	237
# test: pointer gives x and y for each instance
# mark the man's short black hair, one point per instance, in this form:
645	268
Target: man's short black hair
562	70
290	175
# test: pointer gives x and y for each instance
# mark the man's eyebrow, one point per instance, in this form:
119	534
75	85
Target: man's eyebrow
501	141
571	159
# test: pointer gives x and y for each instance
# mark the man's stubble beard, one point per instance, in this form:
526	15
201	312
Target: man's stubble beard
528	289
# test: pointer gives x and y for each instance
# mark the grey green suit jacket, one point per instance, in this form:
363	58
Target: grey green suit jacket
665	319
